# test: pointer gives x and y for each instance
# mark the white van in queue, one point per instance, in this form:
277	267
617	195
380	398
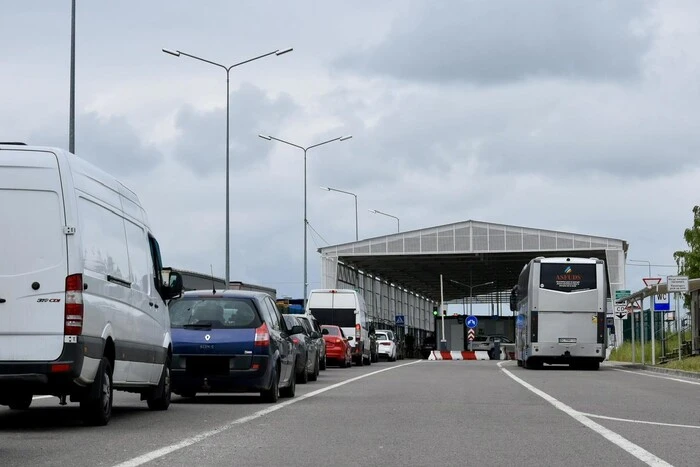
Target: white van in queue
82	296
346	309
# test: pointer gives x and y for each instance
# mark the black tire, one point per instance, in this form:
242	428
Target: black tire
520	363
314	376
323	364
290	391
369	361
20	402
303	375
96	408
348	364
161	399
273	393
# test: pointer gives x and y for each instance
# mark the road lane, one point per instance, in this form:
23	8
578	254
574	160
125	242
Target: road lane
431	413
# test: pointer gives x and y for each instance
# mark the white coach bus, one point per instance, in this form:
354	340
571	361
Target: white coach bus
561	309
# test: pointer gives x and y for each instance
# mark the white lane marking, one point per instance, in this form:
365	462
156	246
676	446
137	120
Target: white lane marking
642	422
658	376
615	438
158	453
42	397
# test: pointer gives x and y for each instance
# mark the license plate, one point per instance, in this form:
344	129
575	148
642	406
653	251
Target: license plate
567	340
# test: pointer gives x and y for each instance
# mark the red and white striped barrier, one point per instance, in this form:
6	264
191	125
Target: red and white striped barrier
457	355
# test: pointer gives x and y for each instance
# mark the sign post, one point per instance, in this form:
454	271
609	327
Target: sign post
471	323
678	285
443	340
650	282
662	304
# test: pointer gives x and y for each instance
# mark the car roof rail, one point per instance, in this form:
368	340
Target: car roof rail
13	143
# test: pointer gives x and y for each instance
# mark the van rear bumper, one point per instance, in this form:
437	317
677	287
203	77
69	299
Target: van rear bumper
46	377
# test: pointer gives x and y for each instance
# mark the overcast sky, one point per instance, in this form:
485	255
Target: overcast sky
580	116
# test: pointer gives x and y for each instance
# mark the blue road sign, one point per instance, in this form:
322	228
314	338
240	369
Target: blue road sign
400	320
471	322
661	303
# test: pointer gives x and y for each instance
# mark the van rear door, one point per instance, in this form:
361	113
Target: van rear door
33	256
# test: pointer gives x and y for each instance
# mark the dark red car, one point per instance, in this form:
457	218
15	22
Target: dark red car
338	349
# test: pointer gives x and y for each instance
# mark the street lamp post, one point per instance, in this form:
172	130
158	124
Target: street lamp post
71	117
398	225
471	287
357	232
305	149
178	53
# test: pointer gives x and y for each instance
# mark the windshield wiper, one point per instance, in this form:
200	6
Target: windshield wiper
202	325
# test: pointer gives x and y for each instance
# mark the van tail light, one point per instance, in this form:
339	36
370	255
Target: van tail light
73	312
358	329
295	340
262	336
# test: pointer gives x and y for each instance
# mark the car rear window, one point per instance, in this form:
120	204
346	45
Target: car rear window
381	336
332	331
216	312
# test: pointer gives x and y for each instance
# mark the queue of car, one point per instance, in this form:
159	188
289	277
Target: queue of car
239	341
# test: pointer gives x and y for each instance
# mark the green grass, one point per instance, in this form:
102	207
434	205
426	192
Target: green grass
687	364
624	354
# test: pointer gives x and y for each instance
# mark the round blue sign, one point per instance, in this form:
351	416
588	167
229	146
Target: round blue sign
471	322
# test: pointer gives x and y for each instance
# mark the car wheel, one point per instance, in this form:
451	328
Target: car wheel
314	376
163	394
323	363
290	391
273	394
20	402
96	408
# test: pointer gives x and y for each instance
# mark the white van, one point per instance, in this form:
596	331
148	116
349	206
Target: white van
346	309
82	295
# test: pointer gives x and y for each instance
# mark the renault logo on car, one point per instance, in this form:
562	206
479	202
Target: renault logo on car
207	337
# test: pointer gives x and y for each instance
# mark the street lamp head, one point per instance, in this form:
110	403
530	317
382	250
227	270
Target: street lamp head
374	211
269	138
343	138
282	52
325	188
175	53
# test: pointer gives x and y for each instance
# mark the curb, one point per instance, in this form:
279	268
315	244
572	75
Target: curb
654	369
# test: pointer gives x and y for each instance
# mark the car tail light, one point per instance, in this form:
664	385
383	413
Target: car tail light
338	340
73	311
262	336
358	328
295	340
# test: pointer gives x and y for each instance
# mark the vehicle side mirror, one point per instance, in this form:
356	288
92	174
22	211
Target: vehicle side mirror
349	338
325	332
514	299
173	288
315	335
297	330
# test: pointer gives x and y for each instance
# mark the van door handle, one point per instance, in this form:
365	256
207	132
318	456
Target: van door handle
2	300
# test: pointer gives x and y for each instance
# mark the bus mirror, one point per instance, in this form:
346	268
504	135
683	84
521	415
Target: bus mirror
513	300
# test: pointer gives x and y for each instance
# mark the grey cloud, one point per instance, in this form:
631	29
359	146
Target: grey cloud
490	42
202	135
108	142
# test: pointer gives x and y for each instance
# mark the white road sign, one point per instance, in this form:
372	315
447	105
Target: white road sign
620	311
677	284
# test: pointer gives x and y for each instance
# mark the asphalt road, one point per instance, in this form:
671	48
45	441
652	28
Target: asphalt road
408	413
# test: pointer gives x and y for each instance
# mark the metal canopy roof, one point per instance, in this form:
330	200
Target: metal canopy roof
469	252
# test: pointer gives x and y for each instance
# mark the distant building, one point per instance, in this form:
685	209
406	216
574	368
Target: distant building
197	281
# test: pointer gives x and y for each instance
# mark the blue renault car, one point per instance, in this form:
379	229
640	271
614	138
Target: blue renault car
231	341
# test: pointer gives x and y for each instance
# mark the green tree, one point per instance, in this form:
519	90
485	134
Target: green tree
689	261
